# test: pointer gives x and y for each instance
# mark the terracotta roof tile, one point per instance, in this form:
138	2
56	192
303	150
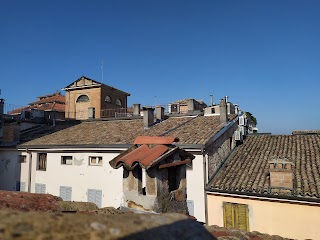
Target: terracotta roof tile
189	130
148	155
155	140
247	170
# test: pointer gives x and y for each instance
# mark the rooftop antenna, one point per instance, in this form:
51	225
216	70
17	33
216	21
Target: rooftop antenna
102	71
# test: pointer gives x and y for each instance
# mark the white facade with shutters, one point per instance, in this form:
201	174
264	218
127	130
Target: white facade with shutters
86	176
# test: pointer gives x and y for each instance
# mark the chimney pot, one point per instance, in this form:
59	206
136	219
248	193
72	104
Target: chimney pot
190	105
223	111
148	118
136	109
160	113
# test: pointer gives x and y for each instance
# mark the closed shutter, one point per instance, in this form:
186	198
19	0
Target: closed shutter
242	218
23	187
236	215
65	193
98	198
40	188
228	214
68	193
95	196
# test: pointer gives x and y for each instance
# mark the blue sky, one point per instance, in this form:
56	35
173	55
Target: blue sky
265	55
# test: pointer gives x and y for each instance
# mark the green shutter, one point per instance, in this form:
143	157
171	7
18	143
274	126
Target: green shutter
242	218
228	214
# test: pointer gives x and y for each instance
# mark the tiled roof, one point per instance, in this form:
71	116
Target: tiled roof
247	169
190	130
51	99
146	156
52	107
306	132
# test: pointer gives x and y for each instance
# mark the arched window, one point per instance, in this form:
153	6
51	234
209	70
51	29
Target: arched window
108	99
83	98
118	102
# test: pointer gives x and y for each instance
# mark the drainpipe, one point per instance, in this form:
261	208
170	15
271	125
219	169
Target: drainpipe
30	170
205	162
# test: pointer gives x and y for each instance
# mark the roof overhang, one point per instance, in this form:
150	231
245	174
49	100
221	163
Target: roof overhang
264	196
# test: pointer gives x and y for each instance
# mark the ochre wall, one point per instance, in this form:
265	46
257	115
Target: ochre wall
289	220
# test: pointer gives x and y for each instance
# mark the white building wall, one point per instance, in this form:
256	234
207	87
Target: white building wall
195	187
80	176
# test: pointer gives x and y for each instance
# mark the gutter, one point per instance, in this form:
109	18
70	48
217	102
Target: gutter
266	197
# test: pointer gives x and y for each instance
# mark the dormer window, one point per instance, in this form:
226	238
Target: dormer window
118	102
108	99
83	98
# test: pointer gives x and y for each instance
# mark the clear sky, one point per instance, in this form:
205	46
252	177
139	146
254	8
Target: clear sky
265	55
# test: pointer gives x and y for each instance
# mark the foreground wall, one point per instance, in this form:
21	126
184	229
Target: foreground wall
292	220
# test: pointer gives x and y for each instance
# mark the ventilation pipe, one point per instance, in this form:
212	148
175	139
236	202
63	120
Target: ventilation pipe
211	100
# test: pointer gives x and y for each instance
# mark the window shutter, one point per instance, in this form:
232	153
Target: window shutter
98	198
38	188
228	214
242	218
91	196
63	193
68	193
23	187
43	188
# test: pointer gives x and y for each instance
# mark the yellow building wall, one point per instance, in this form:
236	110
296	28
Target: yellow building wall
291	220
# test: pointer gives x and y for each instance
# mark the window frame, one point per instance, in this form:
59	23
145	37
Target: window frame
42	163
97	163
83	98
64	160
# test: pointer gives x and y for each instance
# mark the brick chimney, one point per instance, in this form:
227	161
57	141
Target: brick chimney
11	134
223	111
159	113
136	109
281	175
148	118
190	105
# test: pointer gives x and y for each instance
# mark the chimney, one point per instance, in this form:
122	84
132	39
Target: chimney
148	117
223	111
136	109
160	113
11	134
281	174
211	100
190	105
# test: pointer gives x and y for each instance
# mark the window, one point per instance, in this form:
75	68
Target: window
108	99
22	159
118	102
236	215
40	188
65	193
42	162
95	161
173	178
66	160
83	98
95	196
